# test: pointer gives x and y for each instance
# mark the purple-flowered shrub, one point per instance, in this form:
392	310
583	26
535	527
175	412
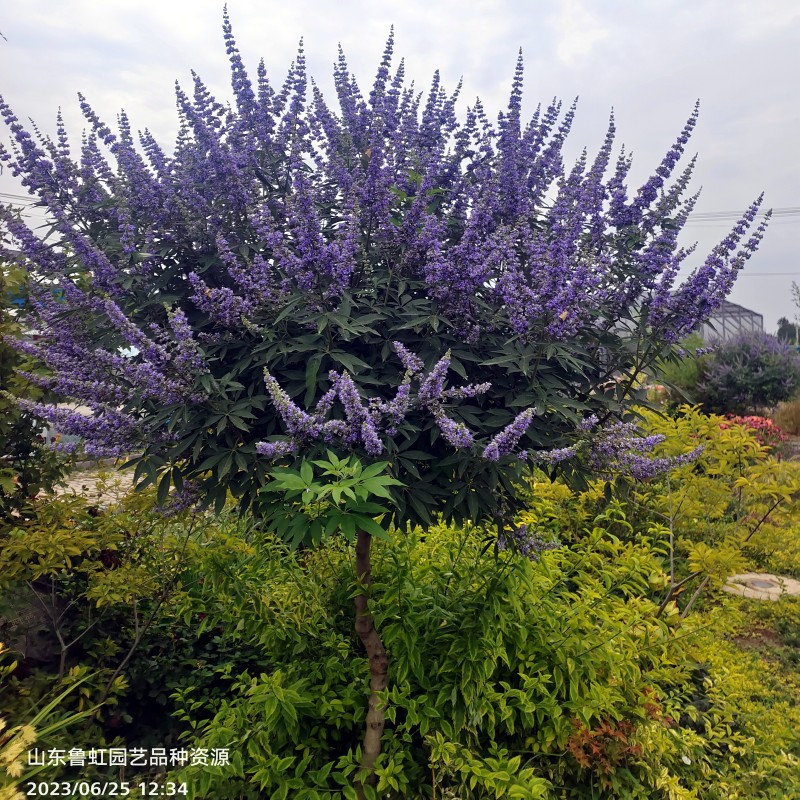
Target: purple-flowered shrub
751	373
389	277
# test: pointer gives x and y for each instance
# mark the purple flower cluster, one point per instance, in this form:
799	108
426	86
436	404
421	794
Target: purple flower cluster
185	499
432	386
556	456
620	449
105	432
698	351
504	442
456	434
546	266
412	363
526	542
277	195
365	422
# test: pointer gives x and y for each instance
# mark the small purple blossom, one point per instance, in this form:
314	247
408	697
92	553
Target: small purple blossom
471	390
456	434
556	456
411	363
185	499
620	449
526	542
297	422
275	450
432	386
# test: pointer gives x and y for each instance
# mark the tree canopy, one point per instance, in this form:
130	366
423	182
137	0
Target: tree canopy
385	278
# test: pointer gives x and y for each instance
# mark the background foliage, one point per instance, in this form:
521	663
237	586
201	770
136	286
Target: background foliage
749	374
26	466
554	676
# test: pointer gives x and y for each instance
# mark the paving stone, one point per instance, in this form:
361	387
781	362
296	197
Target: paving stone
761	585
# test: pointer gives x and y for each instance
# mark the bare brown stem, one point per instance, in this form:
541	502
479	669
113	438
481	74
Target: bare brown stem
378	666
763	519
672	589
695	596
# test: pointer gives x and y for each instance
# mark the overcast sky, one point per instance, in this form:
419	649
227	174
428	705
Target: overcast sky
648	59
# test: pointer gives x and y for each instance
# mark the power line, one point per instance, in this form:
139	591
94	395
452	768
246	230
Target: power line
788	211
704	219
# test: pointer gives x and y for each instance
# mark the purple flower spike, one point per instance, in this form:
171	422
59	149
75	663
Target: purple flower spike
411	362
274	450
432	386
505	441
456	434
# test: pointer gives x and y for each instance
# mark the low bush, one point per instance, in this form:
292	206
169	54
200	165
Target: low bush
749	374
507	672
767	433
575	672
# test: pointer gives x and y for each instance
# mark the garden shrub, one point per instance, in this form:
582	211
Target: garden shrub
767	433
80	588
787	417
550	678
735	501
27	467
749	374
732	504
492	656
746	709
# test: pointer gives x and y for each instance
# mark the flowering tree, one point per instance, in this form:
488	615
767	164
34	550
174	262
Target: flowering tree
385	279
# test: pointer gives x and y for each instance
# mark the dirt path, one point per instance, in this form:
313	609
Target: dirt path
102	483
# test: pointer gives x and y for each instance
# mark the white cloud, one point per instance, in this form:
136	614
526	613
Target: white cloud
577	31
765	19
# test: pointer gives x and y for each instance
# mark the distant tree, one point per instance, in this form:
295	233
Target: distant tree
787	331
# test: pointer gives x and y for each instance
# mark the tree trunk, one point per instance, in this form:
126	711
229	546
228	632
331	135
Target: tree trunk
378	665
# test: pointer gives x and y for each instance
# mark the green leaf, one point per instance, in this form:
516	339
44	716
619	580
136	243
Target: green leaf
352	363
237	422
225	465
312	370
370	526
219	499
348	526
290	481
163	489
374	469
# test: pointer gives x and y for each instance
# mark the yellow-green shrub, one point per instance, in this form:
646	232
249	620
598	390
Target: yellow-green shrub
505	672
